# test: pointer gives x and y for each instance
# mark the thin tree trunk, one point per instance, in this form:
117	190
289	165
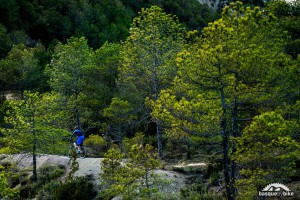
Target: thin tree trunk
120	139
77	117
156	93
188	149
235	134
225	146
34	152
159	139
34	162
107	136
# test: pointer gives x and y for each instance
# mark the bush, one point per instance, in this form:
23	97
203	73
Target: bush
48	190
138	139
76	188
135	178
97	145
197	191
46	174
5	188
50	172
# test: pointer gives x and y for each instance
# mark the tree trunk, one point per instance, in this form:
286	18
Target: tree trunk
159	139
34	162
77	117
188	149
107	136
225	146
34	151
235	134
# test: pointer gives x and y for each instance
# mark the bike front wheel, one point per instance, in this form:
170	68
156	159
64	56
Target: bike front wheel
83	152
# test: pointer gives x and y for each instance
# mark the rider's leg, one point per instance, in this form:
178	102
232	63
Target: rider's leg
79	143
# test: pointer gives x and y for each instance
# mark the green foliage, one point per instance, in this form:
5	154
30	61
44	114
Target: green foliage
5	41
266	153
9	13
97	144
155	38
225	64
5	189
138	139
36	125
67	68
35	121
121	115
134	178
76	188
103	75
188	113
198	191
222	78
190	12
148	58
48	173
21	68
67	72
51	188
47	191
112	174
26	187
47	182
74	72
99	21
289	14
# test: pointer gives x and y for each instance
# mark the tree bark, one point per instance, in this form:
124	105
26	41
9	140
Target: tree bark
107	136
188	149
225	146
235	134
34	150
159	139
77	117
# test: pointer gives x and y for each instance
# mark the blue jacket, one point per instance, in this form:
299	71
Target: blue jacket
78	132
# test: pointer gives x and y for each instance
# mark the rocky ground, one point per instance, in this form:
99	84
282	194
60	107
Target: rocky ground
91	167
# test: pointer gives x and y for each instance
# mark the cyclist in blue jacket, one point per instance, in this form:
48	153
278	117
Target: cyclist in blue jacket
80	138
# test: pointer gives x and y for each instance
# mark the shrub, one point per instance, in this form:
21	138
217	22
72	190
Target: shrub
197	191
135	178
5	189
76	188
48	190
50	172
97	145
138	139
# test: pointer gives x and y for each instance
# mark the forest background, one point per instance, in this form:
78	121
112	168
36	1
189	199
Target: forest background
221	85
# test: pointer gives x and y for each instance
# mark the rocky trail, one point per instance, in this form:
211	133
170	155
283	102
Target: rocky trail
89	167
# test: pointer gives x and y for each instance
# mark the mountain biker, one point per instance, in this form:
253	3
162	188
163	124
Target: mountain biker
80	138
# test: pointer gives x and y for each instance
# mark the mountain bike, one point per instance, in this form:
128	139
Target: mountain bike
73	151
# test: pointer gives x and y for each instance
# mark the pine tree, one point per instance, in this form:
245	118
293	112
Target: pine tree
149	52
238	62
35	125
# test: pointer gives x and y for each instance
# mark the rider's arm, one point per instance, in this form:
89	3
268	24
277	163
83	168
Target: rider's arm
73	134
